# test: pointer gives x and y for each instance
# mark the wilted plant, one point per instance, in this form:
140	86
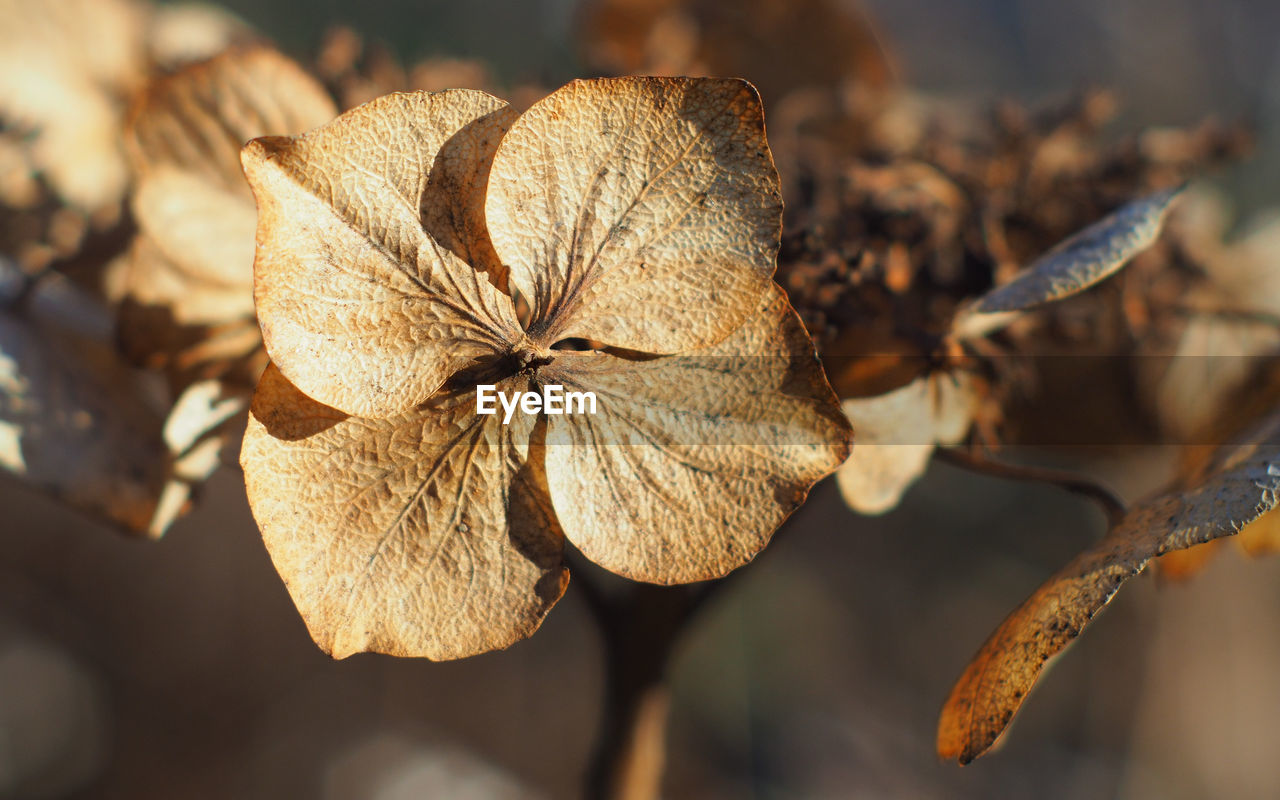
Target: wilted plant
425	251
641	215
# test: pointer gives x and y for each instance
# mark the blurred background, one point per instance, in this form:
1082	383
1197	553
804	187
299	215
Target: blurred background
179	667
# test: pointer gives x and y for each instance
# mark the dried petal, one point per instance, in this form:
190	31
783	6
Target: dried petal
147	278
63	63
1239	487
190	272
197	119
1086	258
345	268
897	433
644	213
426	534
203	229
691	462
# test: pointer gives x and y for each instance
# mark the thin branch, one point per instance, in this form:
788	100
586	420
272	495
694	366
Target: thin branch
1111	505
1252	316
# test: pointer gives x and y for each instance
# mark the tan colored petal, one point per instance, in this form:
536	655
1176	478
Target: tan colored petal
1086	258
191	329
63	66
199	118
184	136
427	534
361	307
897	434
1212	361
1238	488
691	462
1217	354
643	213
203	229
148	278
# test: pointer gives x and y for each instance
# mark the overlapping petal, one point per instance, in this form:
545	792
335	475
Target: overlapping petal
425	534
361	307
691	462
640	212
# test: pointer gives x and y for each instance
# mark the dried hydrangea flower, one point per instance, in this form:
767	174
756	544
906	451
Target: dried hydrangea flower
639	220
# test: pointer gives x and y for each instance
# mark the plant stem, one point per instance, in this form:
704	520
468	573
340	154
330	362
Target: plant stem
639	625
1111	505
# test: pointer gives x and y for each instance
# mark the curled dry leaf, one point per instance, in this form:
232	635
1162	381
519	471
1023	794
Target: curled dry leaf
1238	487
642	213
897	434
1084	259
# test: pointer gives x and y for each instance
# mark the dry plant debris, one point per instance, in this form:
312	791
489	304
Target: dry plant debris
73	422
1237	489
899	429
184	291
638	221
186	288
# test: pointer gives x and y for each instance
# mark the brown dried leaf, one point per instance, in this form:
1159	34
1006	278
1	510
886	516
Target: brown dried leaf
1086	258
701	456
609	196
354	273
1238	487
426	534
897	434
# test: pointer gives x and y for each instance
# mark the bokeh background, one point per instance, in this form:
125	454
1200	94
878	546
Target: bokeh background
179	668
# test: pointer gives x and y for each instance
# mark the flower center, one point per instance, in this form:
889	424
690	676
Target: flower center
529	358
